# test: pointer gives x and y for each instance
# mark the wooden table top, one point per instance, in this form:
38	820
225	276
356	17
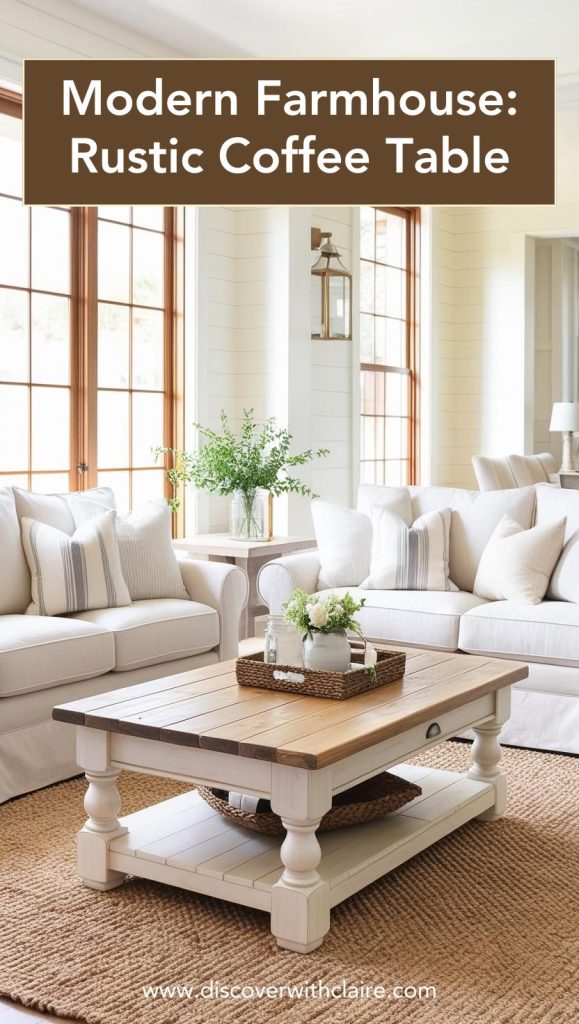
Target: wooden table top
224	545
206	708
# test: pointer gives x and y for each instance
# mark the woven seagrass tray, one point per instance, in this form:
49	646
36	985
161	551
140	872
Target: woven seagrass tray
251	670
367	801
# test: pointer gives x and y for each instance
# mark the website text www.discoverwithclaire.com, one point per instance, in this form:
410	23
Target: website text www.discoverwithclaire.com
318	989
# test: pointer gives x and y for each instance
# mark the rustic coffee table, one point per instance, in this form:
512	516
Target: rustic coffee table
200	727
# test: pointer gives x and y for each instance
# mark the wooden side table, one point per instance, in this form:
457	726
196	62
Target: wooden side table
249	555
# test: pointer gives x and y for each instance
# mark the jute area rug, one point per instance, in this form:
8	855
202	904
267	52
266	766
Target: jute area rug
489	916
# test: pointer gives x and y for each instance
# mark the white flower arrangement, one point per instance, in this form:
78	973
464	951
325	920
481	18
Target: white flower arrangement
317	613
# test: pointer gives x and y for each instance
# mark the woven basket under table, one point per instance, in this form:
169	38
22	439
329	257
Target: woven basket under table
367	801
251	670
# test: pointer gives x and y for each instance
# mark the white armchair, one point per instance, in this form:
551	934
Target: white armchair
277	580
510	471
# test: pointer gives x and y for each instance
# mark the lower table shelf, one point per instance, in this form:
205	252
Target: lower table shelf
184	842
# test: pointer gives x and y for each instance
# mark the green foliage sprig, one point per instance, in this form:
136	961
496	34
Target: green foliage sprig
258	458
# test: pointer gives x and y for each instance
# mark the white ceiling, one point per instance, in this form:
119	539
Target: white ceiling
356	28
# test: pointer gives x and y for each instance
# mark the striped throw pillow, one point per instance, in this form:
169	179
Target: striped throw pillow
410	557
148	559
74	573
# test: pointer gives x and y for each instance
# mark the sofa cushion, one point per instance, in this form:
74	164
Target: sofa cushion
475	514
15	577
37	652
54	509
546	632
424	618
555	503
149	632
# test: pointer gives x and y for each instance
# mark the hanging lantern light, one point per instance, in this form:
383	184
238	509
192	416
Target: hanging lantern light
331	291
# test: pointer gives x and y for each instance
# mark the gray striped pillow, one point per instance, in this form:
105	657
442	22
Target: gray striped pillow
74	573
410	557
148	559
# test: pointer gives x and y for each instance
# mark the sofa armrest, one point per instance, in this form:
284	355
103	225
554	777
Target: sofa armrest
277	580
223	587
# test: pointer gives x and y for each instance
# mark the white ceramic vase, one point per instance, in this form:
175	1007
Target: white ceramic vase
327	652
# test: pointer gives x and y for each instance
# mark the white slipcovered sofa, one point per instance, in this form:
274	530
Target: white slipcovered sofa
49	660
545	707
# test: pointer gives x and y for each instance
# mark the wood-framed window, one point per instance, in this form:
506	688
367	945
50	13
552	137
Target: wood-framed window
90	336
389	240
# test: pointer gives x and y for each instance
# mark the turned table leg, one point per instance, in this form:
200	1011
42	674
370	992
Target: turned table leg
300	900
486	756
102	804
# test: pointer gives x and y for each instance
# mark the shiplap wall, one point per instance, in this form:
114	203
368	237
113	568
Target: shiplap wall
333	378
214	380
236	358
254	346
483	387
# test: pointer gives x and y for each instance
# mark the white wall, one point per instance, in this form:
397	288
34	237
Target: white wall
221	334
484	323
334	379
254	345
55	28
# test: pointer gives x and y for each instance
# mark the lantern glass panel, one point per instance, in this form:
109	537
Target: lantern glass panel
339	306
316	305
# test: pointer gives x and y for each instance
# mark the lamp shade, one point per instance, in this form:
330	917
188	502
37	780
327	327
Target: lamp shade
565	416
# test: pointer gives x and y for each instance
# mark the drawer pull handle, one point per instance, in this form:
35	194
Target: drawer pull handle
433	730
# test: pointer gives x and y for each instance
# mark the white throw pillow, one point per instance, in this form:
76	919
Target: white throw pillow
552	504
410	557
395	499
344	540
148	559
54	509
516	564
15	577
74	573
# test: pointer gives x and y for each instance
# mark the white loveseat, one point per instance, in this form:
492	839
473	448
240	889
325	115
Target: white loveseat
49	660
545	707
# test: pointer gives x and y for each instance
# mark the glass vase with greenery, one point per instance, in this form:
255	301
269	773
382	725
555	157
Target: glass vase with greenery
259	458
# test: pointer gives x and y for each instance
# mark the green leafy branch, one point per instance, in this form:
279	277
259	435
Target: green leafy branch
260	457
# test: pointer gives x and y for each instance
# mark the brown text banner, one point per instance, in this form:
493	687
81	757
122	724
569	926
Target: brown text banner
359	132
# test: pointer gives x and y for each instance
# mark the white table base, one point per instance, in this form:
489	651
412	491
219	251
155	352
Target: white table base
185	843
